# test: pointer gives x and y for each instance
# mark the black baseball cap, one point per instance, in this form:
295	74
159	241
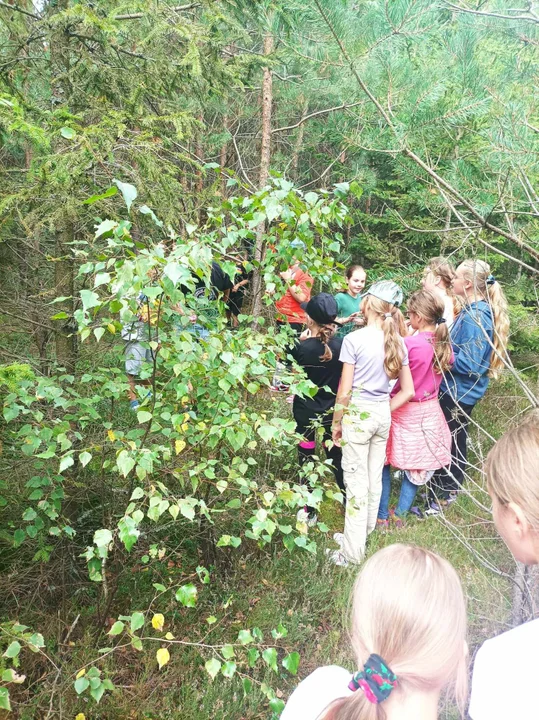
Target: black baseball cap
322	308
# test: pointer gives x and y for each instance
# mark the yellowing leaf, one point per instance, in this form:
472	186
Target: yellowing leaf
185	427
158	621
111	328
80	716
81	673
179	445
163	656
111	435
169	636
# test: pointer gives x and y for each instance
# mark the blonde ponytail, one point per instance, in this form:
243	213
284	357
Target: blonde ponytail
392	321
395	617
478	273
500	316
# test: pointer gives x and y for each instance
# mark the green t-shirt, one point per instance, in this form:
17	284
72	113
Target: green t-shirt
347	305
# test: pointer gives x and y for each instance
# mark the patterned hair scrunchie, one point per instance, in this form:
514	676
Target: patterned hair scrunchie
491	280
440	320
376	680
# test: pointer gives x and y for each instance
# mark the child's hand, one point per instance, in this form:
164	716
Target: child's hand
286	275
336	434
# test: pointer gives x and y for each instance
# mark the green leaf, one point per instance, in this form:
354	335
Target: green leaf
291	662
101	278
267	432
229	669
89	299
81	684
245	637
66	462
29	515
128	191
105	228
98	692
13	649
95	198
247	686
212	667
137	621
117	628
84	458
227	651
125	463
18	537
4	699
270	658
102	537
187	595
145	210
144	416
137	493
67	133
276	705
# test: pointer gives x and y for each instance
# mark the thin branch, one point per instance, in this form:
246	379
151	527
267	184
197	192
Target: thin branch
344	106
16	8
137	15
459	8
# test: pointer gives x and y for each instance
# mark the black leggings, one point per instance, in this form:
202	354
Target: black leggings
307	448
445	481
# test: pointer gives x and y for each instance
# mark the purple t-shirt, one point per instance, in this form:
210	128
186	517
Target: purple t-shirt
365	350
421	360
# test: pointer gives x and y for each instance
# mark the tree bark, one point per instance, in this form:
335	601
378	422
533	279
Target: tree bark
65	338
265	157
299	141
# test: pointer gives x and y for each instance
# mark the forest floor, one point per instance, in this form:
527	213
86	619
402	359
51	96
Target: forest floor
268	586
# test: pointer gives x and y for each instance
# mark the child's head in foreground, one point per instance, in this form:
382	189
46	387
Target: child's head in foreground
513	484
409	613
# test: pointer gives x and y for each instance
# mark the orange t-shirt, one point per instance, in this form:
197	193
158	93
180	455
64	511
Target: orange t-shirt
288	305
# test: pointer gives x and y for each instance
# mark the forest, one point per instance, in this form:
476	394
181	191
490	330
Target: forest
152	566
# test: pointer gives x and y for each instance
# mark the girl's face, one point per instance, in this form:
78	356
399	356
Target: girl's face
515	531
460	284
414	319
357	282
430	280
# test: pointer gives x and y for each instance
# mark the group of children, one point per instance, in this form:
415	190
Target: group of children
395	392
409	621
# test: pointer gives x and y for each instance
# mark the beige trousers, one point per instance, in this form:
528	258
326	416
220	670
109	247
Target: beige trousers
365	432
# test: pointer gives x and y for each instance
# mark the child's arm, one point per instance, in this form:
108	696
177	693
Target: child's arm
407	391
343	399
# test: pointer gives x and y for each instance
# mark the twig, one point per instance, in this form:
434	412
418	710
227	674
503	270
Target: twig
16	8
459	8
137	15
344	106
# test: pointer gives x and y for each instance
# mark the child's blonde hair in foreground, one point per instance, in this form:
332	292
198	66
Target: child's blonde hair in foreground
511	468
409	608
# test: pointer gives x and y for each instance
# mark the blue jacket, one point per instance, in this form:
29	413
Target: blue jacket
467	381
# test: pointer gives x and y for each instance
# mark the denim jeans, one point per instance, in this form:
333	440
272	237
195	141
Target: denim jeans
406	498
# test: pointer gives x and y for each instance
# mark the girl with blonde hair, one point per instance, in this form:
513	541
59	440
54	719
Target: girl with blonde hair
479	340
438	277
371	357
512	482
419	438
409	642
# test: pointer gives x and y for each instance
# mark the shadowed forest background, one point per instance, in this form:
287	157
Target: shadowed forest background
151	562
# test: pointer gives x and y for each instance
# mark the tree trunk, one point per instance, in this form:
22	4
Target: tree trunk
299	142
223	159
265	156
65	338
